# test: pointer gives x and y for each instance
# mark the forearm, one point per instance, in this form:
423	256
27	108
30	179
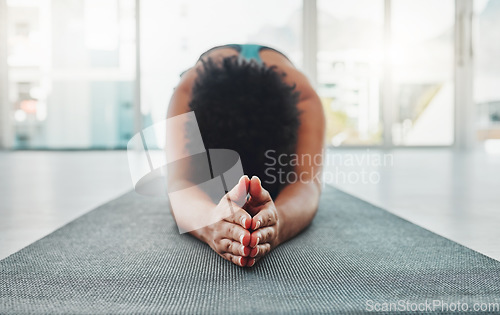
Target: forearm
192	209
296	205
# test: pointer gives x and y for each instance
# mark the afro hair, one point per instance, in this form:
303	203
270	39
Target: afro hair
247	107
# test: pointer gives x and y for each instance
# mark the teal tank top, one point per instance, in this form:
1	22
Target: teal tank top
251	51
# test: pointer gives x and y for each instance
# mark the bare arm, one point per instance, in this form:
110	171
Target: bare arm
297	203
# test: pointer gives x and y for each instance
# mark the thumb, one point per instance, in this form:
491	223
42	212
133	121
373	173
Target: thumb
238	194
257	193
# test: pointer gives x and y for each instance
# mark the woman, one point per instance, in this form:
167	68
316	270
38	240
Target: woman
251	99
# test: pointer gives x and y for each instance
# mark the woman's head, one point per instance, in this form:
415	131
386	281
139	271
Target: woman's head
247	107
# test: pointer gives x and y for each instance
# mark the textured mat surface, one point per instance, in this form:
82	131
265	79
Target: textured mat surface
127	256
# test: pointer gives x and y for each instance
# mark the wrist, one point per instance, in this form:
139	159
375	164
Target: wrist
281	225
202	234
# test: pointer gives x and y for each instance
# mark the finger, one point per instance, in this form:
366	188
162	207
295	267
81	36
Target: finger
258	195
237	260
251	262
231	231
238	194
241	218
265	217
260	250
261	236
232	247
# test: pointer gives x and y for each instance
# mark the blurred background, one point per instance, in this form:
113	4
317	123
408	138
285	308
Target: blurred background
417	81
87	74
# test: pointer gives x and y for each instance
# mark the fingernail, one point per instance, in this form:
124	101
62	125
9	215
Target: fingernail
241	239
257	179
252	263
242	250
241	261
257	243
244	221
257	225
256	252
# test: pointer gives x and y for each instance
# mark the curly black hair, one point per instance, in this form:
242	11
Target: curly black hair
247	107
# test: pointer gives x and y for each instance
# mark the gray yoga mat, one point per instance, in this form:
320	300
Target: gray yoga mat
127	257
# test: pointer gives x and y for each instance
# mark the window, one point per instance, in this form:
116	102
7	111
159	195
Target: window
421	59
350	45
487	69
360	58
71	73
385	74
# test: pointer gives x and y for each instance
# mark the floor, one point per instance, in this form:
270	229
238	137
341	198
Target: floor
41	191
452	194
